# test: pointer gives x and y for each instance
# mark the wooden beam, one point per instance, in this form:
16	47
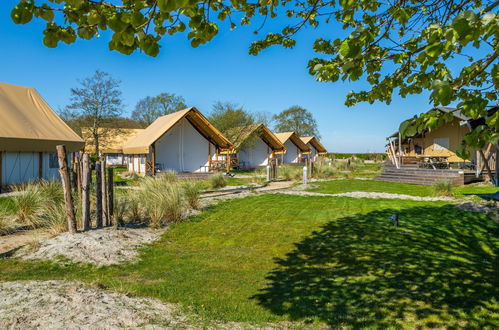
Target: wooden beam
1	170
153	159
40	166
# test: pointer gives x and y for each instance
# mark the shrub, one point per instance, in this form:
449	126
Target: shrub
134	205
288	172
218	181
191	190
163	201
443	188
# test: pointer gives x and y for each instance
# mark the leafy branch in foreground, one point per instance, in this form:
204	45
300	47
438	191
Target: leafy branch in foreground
447	47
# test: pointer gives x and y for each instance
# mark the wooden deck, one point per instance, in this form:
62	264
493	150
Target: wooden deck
412	174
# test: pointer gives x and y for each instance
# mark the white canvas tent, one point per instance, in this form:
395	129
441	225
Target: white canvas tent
295	148
29	133
255	145
184	141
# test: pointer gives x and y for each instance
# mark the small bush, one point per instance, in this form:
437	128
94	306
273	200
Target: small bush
288	172
191	190
133	198
443	188
323	171
218	181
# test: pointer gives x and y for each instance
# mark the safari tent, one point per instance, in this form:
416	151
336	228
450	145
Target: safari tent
184	141
30	130
296	149
317	150
111	143
255	146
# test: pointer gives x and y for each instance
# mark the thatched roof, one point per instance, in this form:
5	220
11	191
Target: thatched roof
29	124
142	142
295	139
113	140
239	135
315	143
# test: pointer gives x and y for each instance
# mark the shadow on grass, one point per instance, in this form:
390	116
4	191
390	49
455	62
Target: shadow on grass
439	269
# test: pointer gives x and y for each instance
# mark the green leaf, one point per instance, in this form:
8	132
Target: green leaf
22	13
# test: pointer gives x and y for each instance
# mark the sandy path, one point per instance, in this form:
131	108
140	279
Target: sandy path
364	194
74	305
20	238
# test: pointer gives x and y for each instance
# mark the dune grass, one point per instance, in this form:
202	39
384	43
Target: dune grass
343	186
335	261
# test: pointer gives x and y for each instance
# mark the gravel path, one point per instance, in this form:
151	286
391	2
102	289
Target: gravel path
364	194
99	246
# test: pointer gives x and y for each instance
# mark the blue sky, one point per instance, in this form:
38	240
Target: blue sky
220	70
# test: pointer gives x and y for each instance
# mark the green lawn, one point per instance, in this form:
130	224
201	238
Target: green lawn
335	261
343	186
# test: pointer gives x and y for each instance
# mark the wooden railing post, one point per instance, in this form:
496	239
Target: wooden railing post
66	186
110	195
85	192
98	193
105	204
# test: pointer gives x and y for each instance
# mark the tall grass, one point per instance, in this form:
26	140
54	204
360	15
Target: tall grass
163	201
217	181
191	190
443	188
323	171
288	172
28	205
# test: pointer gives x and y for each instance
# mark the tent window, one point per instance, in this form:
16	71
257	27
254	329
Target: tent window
53	161
142	160
441	144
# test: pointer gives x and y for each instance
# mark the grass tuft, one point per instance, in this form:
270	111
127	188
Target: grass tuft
191	190
443	188
218	181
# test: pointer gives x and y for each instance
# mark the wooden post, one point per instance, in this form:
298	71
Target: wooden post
110	195
227	161
497	166
209	156
1	170
40	166
105	204
486	163
85	192
68	198
77	165
153	159
98	193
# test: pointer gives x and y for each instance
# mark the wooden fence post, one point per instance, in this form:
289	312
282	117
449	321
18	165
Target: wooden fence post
98	193
110	195
85	192
105	204
66	186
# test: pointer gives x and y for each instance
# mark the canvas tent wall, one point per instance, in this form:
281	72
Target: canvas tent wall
255	145
184	141
111	143
316	148
29	133
296	150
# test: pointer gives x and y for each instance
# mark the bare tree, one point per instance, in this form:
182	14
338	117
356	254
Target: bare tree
95	103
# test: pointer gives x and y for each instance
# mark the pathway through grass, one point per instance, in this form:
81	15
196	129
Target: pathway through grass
328	260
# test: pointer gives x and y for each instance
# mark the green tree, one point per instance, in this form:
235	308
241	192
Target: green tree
226	116
95	103
296	119
150	108
403	46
